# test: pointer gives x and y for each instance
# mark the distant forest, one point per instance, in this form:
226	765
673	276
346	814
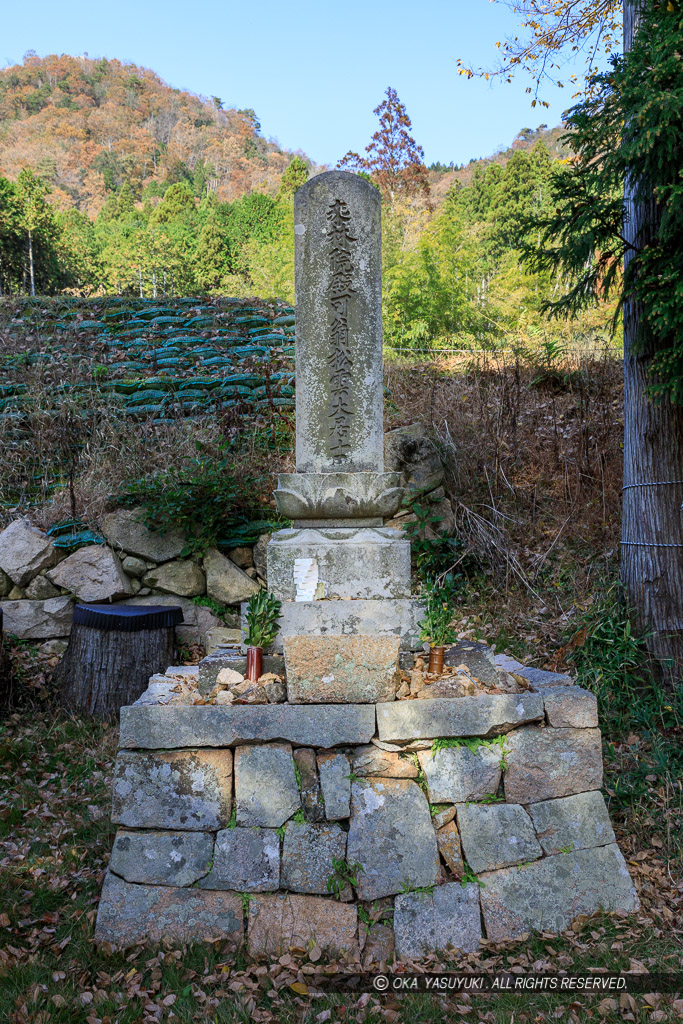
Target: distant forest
114	183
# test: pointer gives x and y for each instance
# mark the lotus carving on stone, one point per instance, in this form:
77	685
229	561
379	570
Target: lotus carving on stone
339	495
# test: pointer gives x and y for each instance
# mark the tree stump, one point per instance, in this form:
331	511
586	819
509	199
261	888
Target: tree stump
6	675
112	652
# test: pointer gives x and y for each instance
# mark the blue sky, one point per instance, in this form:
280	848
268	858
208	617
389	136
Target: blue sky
312	71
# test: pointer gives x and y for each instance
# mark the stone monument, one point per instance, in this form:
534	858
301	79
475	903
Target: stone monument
340	495
466	816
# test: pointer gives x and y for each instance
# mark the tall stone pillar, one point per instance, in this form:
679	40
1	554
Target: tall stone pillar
338	571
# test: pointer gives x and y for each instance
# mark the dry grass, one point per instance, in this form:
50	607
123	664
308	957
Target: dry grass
533	454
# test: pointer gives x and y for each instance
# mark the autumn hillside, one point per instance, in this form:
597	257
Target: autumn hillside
87	126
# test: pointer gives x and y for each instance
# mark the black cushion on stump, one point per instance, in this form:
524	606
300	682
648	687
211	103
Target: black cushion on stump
127	618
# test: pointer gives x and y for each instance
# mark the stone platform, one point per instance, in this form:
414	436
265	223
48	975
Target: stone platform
464	819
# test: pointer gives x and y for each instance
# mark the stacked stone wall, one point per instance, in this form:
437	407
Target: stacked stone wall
409	826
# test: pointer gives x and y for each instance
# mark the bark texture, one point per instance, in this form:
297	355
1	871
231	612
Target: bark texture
652	538
6	679
103	670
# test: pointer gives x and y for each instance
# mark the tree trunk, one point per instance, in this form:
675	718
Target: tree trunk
30	261
652	541
103	670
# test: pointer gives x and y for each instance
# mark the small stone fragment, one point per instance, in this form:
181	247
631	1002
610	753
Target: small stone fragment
249	693
228	677
448	842
370	761
443	816
309	785
379	946
276	691
308	856
336	785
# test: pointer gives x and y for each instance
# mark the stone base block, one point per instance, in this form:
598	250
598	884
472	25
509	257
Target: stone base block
387	617
341	669
448	918
305	725
129	914
550	893
279	923
353	564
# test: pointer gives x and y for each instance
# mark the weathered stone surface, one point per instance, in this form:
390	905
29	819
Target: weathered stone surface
308	856
379	946
276	691
411	452
572	823
40	589
321	725
338	499
384	617
246	860
260	550
161	858
6	584
550	893
486	715
336	785
496	835
571	707
391	836
126	533
546	763
456	774
353	563
188	789
129	914
448	918
92	573
309	784
16	594
443	816
369	761
225	581
38	620
241	556
135	567
479	659
341	669
281	922
222	638
331	210
180	577
448	843
266	791
25	551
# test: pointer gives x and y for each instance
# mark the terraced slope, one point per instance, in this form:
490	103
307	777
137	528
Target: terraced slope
182	358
